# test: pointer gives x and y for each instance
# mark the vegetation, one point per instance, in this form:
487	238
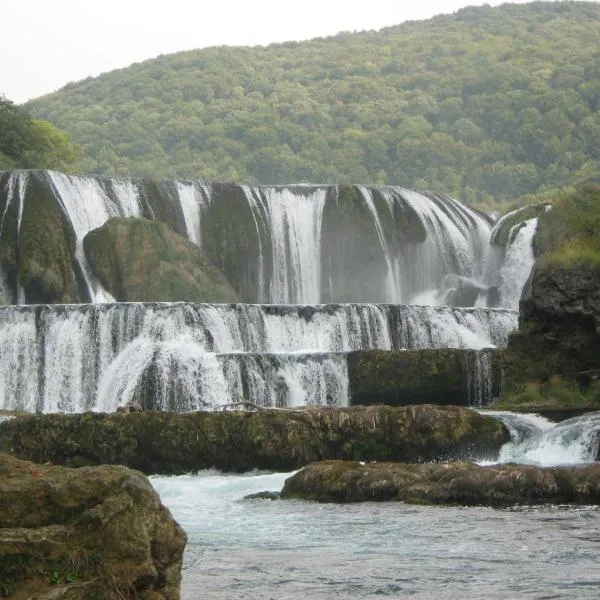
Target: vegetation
27	143
569	234
556	393
486	104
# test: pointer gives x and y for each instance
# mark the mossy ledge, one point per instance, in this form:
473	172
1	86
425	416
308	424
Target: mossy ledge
279	440
445	484
434	376
85	534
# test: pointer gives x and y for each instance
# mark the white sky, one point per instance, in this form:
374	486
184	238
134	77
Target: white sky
44	44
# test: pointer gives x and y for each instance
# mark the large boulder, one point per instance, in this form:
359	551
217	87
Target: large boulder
280	440
554	358
445	483
140	260
95	532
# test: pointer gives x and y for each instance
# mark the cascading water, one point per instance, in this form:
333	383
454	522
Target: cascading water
294	220
538	441
88	206
430	248
182	356
424	248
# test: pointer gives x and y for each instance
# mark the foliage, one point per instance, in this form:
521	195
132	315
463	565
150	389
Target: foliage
486	104
569	234
26	142
556	393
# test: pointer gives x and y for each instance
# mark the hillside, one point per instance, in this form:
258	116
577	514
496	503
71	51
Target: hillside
486	104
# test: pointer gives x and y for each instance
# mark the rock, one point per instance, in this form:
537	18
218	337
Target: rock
263	496
142	260
280	440
555	356
432	376
86	533
445	483
130	407
38	255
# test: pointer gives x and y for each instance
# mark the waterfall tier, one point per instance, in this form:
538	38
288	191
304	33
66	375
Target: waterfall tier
72	358
274	244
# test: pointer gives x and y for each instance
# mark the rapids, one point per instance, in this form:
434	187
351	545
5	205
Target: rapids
292	549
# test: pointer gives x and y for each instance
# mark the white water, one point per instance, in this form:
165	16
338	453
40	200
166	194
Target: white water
293	220
455	245
518	262
72	358
88	206
293	549
194	197
288	221
538	441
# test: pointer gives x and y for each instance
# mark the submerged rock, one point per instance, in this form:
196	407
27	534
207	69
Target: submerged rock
98	532
445	483
280	440
263	496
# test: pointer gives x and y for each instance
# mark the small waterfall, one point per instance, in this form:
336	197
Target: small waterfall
88	206
538	441
194	198
456	239
392	287
294	221
480	378
15	195
518	262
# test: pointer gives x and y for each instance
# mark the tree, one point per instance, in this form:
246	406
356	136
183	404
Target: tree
30	143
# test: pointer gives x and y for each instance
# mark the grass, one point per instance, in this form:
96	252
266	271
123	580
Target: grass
556	394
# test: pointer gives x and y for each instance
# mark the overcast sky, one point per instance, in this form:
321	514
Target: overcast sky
45	44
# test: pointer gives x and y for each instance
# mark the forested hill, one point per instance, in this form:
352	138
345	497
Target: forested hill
486	103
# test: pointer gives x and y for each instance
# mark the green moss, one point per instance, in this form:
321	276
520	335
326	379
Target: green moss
46	246
269	439
403	377
557	393
233	240
142	260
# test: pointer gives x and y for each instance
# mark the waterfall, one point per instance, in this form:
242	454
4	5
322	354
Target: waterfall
88	206
194	198
538	441
518	262
182	356
374	244
294	219
480	378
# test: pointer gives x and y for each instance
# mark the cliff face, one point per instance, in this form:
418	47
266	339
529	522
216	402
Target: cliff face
559	330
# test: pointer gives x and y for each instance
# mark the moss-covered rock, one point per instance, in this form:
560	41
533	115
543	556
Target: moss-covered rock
43	248
446	483
268	439
142	260
554	358
237	241
433	376
85	534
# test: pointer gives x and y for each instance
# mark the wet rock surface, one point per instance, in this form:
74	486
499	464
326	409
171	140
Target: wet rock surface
90	533
280	440
457	483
